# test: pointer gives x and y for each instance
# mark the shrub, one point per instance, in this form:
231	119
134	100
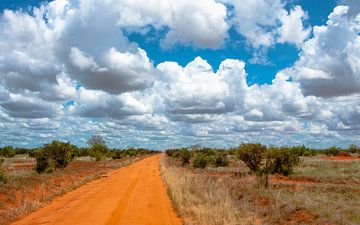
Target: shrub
354	149
200	161
116	154
332	151
56	155
7	151
98	148
185	156
99	151
252	155
3	177
280	161
221	160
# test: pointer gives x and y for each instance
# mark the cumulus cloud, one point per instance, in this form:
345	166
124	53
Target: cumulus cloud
28	61
292	29
92	103
27	107
282	100
195	93
66	75
329	62
266	22
207	18
117	73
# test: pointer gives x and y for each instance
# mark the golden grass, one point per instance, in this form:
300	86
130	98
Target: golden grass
202	200
319	192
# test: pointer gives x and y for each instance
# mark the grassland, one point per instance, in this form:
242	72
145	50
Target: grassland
321	190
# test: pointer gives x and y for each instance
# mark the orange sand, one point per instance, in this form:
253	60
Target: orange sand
132	195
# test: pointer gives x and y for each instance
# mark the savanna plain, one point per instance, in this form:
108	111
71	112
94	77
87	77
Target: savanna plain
249	184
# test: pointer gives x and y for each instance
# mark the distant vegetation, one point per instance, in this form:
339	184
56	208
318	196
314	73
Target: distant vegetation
57	155
261	160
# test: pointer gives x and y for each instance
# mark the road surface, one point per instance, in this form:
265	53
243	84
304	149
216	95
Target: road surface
132	195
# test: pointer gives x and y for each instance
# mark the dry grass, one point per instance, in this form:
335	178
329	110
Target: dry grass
202	200
319	192
26	190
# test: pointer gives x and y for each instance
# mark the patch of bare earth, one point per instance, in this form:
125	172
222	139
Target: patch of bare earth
26	190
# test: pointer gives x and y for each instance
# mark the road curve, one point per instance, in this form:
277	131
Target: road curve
132	195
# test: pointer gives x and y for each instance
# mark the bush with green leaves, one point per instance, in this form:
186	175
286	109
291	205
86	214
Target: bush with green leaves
332	151
354	148
99	151
252	155
185	156
263	161
3	177
98	148
221	160
280	161
7	151
200	161
56	155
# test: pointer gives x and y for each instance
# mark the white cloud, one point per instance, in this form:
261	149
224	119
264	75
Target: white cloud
197	93
329	62
66	75
292	29
207	18
116	73
266	22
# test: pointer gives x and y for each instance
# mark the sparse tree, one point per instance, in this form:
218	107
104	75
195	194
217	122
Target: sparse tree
98	149
96	140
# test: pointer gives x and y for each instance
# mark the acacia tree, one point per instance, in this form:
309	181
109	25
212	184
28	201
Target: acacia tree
263	161
98	148
96	140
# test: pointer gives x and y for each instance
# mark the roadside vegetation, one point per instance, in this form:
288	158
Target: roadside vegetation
256	184
30	178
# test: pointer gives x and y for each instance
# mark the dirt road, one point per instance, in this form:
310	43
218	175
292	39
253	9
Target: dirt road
133	195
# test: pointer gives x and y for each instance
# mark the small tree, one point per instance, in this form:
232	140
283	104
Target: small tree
185	156
221	160
262	161
98	148
354	148
96	140
200	161
281	161
252	155
56	155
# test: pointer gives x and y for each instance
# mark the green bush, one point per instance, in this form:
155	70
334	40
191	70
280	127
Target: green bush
185	156
98	148
7	151
3	177
99	151
252	155
56	155
281	161
117	154
332	151
221	160
354	149
200	161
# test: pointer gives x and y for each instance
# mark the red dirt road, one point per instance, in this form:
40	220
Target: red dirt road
132	195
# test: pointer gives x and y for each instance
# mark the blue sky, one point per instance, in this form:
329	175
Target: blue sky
211	72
